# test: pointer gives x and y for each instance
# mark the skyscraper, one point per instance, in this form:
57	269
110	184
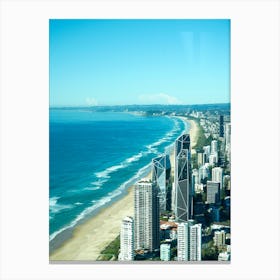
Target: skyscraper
189	241
206	153
219	238
200	158
221	130
127	240
214	146
146	215
227	133
213	192
203	172
165	252
195	242
217	175
194	180
182	179
160	176
228	140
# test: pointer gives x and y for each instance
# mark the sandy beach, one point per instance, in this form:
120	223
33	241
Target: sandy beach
91	237
193	132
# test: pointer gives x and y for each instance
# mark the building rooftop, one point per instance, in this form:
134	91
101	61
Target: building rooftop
128	219
168	224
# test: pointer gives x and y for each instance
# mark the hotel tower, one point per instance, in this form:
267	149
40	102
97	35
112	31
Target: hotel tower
146	215
127	240
189	241
182	179
161	176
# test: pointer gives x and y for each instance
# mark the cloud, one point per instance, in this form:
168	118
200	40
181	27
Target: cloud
159	98
91	101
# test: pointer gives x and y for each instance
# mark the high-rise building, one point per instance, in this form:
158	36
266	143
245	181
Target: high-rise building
213	158
200	159
228	140
182	179
221	130
127	239
226	182
227	134
213	192
146	216
214	146
219	238
194	180
195	242
161	176
165	253
173	197
206	153
217	175
203	173
189	241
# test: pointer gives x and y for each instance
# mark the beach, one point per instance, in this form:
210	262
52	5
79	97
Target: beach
193	132
91	237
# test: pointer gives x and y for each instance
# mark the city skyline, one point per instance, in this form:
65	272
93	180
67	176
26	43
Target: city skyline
144	68
192	172
104	62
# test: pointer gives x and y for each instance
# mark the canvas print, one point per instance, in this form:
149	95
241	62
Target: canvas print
139	141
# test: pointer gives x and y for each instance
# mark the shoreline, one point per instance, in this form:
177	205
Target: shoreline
91	237
193	132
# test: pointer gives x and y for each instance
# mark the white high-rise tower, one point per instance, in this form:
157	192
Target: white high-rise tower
217	175
189	241
146	216
127	239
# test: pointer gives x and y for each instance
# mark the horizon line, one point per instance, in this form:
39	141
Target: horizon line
122	105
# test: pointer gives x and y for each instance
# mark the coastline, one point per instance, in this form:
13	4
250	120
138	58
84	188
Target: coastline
90	238
193	132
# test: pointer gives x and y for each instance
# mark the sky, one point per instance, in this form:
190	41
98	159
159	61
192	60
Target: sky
123	62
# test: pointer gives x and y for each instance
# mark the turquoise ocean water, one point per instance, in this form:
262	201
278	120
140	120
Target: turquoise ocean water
94	157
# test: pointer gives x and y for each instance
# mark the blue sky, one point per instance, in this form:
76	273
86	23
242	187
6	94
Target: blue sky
113	62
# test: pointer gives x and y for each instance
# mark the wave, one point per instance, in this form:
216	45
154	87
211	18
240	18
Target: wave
150	149
55	208
78	203
168	136
82	215
103	176
99	183
135	157
92	188
105	200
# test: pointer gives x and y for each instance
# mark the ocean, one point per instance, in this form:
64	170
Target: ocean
95	157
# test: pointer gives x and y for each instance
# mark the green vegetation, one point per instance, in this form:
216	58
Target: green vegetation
173	253
210	253
163	218
227	169
224	223
201	139
111	252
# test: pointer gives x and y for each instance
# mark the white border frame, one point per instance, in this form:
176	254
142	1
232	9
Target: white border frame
24	137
